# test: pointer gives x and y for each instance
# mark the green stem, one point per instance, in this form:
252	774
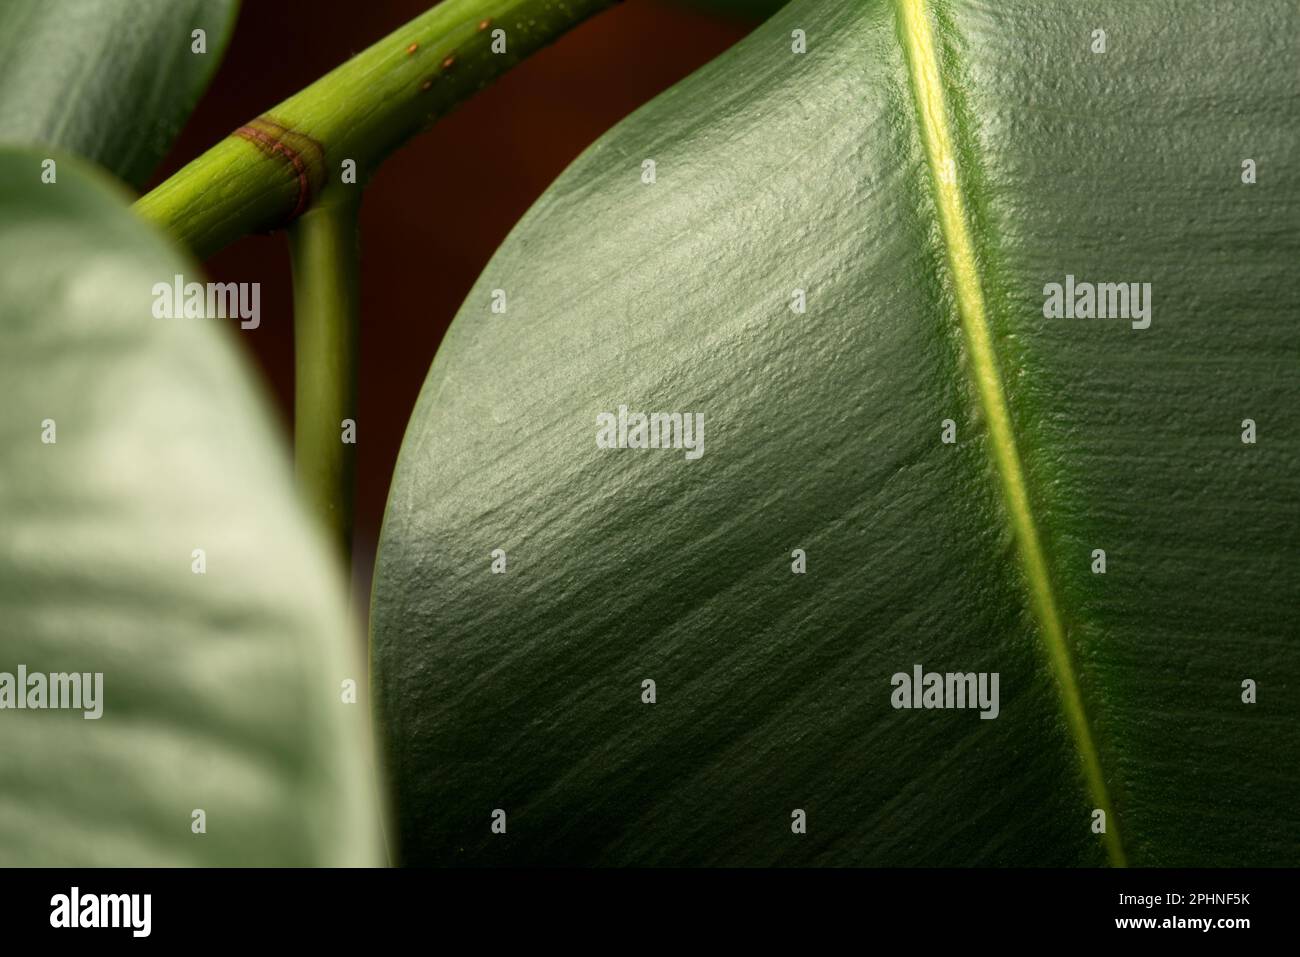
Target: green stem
324	250
273	169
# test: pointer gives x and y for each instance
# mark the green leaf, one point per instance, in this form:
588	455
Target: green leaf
828	172
111	80
221	691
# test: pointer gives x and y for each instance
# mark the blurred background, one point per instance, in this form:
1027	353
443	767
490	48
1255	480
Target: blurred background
439	208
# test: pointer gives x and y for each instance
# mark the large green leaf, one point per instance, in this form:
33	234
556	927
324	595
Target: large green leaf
828	172
112	80
221	691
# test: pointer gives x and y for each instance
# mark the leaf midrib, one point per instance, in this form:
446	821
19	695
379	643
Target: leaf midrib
936	134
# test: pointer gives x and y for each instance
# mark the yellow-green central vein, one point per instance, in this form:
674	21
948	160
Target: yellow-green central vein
918	41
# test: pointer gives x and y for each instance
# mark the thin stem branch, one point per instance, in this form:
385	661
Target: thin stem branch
326	308
272	170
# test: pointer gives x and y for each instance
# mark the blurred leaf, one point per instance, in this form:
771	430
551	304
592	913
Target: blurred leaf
775	172
221	691
111	80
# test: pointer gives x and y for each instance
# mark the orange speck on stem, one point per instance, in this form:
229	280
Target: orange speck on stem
450	62
412	48
484	24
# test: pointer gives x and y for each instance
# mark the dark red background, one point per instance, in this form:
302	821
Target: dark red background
439	208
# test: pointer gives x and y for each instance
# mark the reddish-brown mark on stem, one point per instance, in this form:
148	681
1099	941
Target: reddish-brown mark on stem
304	155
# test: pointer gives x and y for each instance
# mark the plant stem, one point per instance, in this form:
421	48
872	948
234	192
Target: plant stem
324	249
273	169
